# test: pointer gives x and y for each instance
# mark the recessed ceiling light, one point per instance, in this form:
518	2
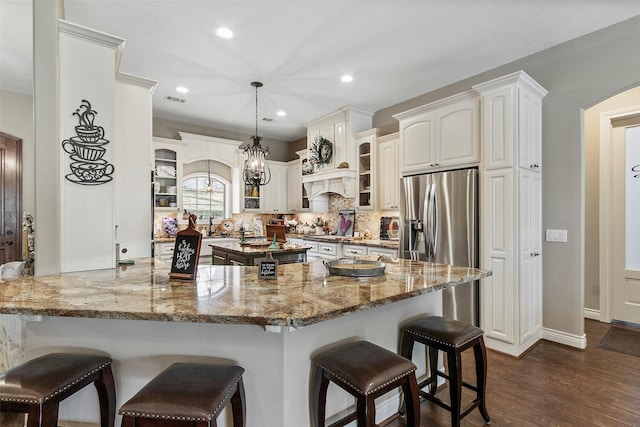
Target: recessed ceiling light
281	113
182	89
346	78
224	32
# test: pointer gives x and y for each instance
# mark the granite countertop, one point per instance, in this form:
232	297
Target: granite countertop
392	244
251	249
303	293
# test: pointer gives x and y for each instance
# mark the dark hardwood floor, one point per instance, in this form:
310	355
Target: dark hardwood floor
552	385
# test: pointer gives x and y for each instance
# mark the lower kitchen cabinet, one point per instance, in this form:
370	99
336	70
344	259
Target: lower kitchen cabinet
361	250
388	252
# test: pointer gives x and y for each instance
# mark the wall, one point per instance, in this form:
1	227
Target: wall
592	177
577	74
16	118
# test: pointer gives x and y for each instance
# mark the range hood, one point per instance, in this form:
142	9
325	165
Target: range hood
339	181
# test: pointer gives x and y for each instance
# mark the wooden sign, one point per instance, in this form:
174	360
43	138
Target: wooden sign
186	252
267	268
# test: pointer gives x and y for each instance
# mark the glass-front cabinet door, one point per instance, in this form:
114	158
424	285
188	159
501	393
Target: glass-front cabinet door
251	199
166	179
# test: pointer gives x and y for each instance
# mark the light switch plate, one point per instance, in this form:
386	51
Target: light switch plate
556	235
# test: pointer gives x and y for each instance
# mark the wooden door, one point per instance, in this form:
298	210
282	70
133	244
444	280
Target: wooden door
10	185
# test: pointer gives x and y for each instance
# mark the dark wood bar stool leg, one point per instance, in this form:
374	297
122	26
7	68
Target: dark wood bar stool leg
455	385
107	397
480	353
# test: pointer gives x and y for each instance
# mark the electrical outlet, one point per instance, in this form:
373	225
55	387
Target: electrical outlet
556	235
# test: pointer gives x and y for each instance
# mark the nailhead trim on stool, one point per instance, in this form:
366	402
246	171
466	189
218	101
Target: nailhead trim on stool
366	371
452	337
37	386
189	393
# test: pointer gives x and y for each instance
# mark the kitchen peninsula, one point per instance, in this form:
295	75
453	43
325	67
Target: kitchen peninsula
146	321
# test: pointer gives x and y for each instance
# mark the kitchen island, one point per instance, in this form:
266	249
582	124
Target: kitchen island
271	327
235	253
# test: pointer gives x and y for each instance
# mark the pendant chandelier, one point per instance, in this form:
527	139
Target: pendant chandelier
256	170
208	181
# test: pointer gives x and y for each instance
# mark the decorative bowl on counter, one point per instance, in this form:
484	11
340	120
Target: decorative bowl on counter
355	267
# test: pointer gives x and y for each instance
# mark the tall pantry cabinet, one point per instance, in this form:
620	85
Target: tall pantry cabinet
511	212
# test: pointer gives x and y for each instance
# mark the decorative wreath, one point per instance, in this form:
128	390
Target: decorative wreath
321	151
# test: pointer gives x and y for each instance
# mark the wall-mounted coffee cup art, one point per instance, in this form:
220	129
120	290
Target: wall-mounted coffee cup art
87	149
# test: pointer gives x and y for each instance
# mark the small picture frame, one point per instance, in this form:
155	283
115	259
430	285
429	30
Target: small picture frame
267	268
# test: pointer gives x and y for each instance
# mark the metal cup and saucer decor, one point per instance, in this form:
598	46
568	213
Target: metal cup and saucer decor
87	149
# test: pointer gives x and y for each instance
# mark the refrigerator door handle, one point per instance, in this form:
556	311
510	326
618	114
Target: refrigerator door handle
427	224
434	224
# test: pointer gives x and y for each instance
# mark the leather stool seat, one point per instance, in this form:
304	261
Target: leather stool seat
366	371
190	394
37	386
452	337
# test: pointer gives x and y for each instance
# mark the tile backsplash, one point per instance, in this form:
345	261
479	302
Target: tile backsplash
365	221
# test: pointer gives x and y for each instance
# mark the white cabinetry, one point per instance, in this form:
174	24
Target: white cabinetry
393	253
511	212
274	194
440	135
322	250
353	250
167	174
270	198
294	182
339	128
387	171
366	148
361	250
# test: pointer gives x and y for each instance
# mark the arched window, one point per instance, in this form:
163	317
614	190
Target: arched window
206	199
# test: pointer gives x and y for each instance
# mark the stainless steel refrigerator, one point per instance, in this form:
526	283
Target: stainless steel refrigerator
439	223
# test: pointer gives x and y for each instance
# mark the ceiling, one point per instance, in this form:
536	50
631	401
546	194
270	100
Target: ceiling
395	50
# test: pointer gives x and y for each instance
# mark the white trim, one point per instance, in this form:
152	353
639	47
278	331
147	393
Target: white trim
138	81
592	313
605	208
577	341
93	36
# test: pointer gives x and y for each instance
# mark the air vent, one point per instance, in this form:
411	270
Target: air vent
267	119
175	99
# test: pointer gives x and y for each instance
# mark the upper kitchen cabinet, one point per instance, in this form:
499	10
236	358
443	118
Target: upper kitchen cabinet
511	117
167	174
297	195
332	152
366	143
440	135
387	171
274	194
270	198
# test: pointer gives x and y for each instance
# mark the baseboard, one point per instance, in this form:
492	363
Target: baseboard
592	313
577	341
63	423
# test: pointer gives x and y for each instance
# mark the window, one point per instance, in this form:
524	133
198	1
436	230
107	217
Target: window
205	200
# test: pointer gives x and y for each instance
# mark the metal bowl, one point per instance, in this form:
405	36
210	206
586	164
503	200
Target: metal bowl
355	267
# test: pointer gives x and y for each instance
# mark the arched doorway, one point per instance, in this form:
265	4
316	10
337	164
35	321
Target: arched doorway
598	133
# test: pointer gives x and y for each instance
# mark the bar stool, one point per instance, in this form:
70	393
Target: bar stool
366	371
38	386
452	337
187	393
